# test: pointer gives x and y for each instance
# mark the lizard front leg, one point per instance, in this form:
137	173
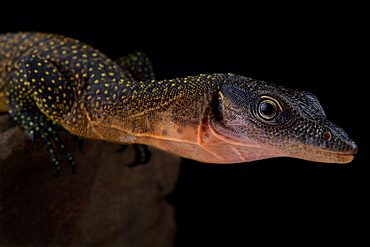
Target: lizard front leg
37	97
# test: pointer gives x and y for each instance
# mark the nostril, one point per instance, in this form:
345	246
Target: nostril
326	135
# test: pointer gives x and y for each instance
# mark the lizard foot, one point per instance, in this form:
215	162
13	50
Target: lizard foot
37	123
142	154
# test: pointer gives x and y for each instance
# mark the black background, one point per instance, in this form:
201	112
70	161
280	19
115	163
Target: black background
309	47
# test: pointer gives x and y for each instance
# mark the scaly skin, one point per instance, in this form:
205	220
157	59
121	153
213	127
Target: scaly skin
216	118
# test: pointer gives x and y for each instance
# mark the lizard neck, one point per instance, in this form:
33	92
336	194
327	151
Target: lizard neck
144	111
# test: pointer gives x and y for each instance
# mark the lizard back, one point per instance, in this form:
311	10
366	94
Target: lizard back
75	60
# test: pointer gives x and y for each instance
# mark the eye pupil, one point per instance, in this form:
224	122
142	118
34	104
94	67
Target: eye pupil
268	109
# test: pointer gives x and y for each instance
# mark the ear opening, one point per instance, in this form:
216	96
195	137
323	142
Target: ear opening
217	106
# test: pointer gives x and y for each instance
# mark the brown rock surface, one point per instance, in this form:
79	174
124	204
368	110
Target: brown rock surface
106	203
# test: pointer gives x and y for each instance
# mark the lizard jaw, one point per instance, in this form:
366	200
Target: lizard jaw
327	156
342	157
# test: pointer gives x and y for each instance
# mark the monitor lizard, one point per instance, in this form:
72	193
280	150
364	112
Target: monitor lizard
49	80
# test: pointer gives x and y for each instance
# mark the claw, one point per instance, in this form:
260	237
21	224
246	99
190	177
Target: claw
32	136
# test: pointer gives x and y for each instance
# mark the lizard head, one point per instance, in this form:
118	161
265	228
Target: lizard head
279	121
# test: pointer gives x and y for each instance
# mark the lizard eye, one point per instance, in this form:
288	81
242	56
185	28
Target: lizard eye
267	109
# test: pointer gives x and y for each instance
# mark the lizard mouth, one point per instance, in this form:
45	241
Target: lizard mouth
338	157
317	154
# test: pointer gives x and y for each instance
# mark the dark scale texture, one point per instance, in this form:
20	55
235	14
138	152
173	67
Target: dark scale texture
74	66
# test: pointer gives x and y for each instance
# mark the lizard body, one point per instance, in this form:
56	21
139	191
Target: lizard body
48	79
